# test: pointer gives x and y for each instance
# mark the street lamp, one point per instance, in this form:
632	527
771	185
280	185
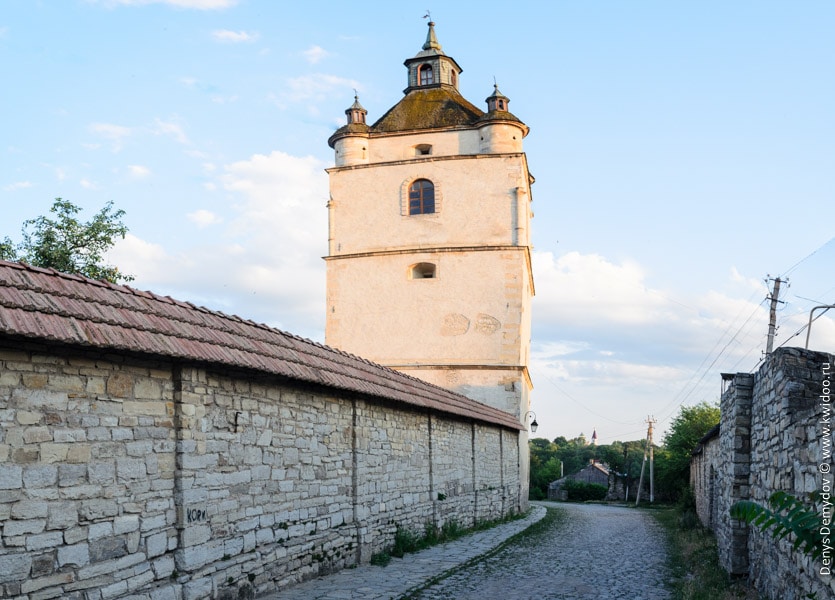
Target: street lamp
534	424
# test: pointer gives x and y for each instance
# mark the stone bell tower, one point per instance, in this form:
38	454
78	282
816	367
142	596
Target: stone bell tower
429	260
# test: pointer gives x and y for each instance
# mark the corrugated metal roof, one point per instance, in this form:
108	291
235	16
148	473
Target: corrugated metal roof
46	305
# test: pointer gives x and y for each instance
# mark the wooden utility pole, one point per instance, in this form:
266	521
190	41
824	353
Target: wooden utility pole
648	450
772	316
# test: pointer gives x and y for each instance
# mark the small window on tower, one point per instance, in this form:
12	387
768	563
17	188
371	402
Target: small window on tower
421	197
427	76
422	271
423	149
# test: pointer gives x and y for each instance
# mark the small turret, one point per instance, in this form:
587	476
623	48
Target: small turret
350	142
500	131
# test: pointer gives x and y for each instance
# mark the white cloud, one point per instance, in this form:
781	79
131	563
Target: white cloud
113	133
317	86
138	171
87	184
263	261
17	185
587	289
315	54
203	218
175	130
234	37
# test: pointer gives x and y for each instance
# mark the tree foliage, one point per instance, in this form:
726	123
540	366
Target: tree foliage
550	460
673	460
69	245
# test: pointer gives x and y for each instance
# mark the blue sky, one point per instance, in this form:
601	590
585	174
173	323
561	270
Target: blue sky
683	152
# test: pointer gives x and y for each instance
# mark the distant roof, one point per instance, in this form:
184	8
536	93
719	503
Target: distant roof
45	305
709	435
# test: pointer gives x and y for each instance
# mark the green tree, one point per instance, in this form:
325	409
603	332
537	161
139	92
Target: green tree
544	467
69	245
673	460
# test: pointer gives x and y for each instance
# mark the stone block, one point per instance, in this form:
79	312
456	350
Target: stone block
95	509
75	535
194	535
33	585
62	515
156	544
53	453
148	389
112	566
168	592
107	549
77	555
23	527
125	524
114	590
11	477
119	385
26	417
72	474
103	473
151	523
41	541
79	454
28	509
14	567
132	540
101	530
131	468
163	567
70	435
198	589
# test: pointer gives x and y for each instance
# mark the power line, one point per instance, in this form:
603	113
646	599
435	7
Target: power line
577	402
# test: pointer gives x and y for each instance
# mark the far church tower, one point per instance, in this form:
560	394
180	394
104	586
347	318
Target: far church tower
429	260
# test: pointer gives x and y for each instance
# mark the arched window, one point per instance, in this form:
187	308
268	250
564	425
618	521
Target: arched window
422	271
421	197
427	76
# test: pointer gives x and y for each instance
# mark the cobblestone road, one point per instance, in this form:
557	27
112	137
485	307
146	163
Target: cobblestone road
593	552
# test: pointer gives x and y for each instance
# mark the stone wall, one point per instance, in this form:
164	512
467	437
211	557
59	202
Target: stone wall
703	480
771	434
122	476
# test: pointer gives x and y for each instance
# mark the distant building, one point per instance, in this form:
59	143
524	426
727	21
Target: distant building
595	472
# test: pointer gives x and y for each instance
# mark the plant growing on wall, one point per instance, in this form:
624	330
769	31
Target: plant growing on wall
787	515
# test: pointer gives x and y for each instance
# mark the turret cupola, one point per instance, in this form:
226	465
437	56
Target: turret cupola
497	101
431	67
350	142
356	113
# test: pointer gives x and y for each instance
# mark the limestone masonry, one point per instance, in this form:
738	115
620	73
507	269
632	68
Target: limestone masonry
774	435
152	449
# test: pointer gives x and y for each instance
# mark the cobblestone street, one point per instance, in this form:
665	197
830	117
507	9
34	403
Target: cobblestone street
593	552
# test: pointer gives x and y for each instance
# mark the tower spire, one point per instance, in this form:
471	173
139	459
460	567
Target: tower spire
431	40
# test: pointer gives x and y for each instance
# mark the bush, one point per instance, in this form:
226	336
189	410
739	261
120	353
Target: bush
579	491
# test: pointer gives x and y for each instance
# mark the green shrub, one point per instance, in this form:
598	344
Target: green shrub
579	491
